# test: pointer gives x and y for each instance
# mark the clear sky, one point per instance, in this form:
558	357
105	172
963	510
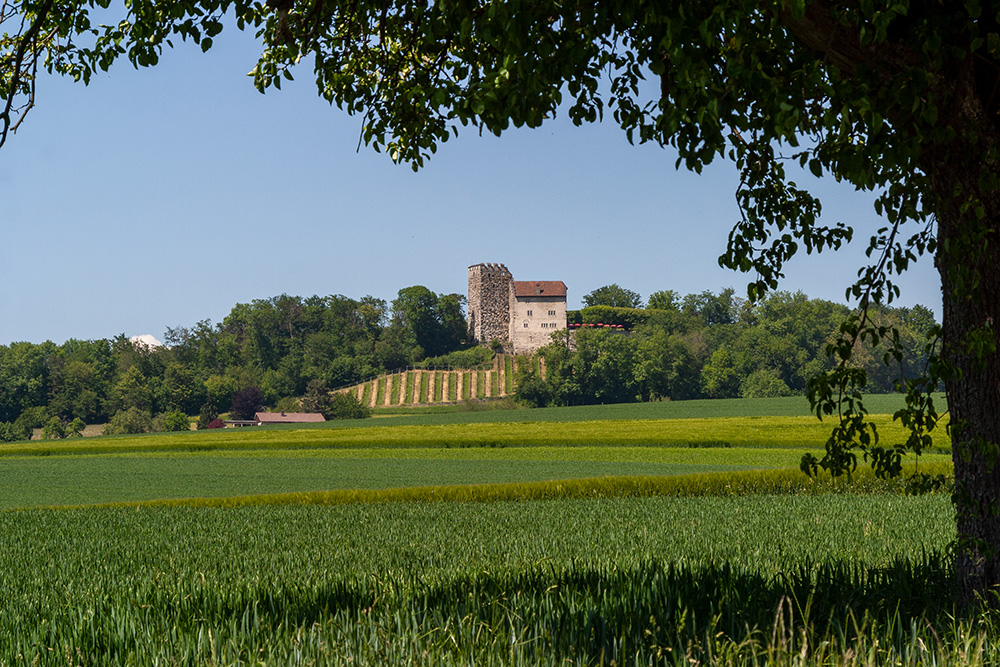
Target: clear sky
164	196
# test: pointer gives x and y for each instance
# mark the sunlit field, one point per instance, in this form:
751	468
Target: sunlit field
681	540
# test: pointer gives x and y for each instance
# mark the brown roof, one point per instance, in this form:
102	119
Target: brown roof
539	288
289	417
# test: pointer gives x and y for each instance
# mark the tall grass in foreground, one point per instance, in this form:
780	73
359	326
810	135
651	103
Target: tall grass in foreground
829	579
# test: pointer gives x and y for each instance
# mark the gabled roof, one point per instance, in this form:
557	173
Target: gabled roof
523	288
288	417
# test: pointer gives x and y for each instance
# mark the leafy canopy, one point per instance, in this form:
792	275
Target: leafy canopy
874	93
613	295
896	97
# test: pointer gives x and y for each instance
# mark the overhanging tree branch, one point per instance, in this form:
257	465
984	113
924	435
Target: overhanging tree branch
26	46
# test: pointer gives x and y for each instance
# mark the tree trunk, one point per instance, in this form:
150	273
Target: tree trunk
974	406
964	174
968	259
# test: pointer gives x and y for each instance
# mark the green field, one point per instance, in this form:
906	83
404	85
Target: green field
76	480
802	433
789	406
581	536
372	455
554	582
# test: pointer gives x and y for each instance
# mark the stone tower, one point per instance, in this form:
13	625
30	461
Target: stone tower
489	302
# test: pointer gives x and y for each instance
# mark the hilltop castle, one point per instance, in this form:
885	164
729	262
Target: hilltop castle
521	315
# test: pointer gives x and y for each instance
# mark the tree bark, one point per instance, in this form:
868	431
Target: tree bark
973	402
968	260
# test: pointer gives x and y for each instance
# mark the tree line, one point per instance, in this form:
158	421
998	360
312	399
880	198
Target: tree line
275	351
712	345
267	352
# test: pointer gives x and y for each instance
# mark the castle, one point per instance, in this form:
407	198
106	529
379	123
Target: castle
520	315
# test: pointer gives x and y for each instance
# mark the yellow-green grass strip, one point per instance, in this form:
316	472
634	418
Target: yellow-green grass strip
800	433
757	457
740	483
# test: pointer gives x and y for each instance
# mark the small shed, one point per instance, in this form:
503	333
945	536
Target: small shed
265	418
239	423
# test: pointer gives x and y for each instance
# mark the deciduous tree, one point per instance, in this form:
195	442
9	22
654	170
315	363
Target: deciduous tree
129	421
347	406
246	403
613	295
54	429
898	98
75	428
175	420
663	300
132	391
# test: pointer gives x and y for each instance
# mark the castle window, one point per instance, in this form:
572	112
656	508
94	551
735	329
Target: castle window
552	313
529	313
525	325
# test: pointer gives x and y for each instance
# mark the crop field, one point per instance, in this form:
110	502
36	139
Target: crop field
789	406
801	433
561	540
75	480
268	461
556	582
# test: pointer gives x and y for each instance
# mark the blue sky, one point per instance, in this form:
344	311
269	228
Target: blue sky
164	196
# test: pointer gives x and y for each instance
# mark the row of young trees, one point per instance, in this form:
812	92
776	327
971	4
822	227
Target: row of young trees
711	345
275	349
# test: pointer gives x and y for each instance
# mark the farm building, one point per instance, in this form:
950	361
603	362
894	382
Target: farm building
265	418
520	315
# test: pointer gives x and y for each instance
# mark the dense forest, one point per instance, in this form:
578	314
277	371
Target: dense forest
273	351
711	346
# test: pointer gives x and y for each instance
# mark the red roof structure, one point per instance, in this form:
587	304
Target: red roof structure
524	288
288	417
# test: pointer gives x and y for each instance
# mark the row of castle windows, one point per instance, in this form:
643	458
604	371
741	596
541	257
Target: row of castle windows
552	313
545	325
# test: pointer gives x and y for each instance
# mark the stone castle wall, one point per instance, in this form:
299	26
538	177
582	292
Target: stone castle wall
534	320
489	303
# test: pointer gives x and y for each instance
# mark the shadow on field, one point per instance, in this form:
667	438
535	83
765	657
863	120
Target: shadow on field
560	612
540	614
